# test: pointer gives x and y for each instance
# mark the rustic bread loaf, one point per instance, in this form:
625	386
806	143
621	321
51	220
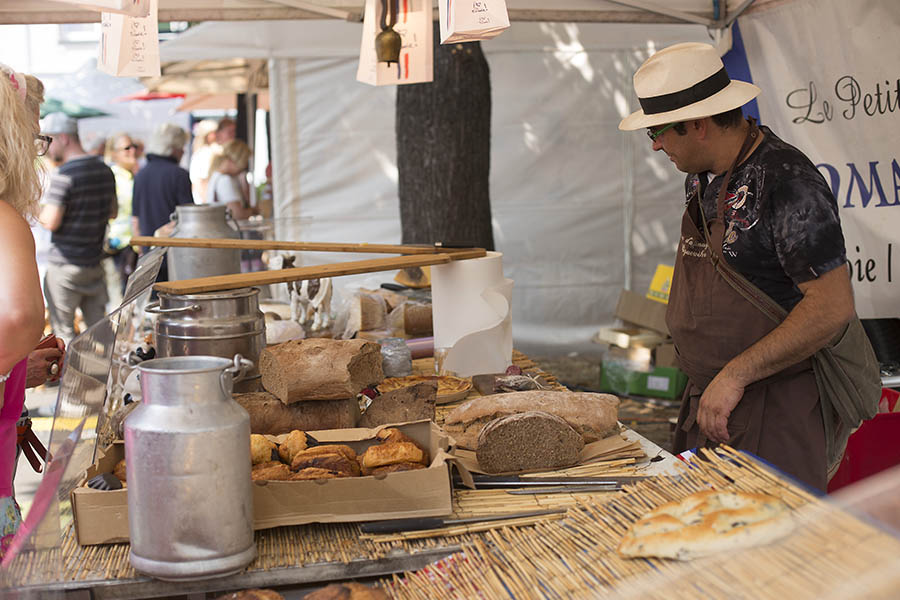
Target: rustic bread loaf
311	473
331	461
294	442
347	591
269	415
261	449
706	523
252	595
341	449
594	416
528	441
270	471
402	405
396	468
392	452
320	369
120	471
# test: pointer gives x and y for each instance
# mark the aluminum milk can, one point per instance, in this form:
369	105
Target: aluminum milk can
202	221
187	452
214	324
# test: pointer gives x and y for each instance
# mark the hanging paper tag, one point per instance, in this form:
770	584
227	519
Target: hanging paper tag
129	46
414	24
472	20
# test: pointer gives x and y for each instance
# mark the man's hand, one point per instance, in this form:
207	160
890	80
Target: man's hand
718	400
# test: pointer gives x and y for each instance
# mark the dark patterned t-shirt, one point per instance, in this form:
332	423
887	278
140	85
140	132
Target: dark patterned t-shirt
781	220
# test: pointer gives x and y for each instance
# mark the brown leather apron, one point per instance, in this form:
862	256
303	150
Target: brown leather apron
778	418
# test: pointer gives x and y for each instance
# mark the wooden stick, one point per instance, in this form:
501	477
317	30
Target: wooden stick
240	280
299	246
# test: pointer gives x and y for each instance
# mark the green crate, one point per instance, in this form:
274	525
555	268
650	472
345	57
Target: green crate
661	382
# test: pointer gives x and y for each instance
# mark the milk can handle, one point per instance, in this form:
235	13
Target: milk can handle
230	217
240	367
154	308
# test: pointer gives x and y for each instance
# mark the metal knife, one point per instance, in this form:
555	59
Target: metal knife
567	489
489	481
420	523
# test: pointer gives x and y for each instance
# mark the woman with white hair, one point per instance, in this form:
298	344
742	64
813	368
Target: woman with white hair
161	185
21	302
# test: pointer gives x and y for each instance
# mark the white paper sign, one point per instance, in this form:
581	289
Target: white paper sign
414	24
132	8
472	20
129	46
830	88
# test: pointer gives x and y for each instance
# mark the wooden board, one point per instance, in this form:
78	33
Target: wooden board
241	280
277	245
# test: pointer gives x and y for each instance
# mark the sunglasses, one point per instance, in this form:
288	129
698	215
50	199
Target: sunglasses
655	134
128	147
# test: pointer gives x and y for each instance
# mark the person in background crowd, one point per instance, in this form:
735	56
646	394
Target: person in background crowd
228	180
97	146
121	153
21	304
161	185
203	152
228	185
775	222
226	131
80	201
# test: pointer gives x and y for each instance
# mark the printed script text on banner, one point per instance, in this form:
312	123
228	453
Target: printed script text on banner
830	77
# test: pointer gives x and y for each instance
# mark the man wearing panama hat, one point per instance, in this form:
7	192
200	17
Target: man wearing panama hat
768	215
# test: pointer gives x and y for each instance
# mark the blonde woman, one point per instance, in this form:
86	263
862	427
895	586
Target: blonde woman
228	183
121	155
21	303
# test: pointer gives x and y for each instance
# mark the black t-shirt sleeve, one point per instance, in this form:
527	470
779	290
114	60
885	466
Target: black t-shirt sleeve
806	228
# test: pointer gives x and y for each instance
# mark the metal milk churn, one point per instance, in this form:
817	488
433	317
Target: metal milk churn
202	221
212	323
187	452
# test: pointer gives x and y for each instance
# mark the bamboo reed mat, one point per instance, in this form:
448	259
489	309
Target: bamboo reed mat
830	555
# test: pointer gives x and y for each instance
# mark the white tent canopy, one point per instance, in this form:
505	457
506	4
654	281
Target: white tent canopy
710	13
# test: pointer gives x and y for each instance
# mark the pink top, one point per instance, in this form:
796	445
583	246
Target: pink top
13	400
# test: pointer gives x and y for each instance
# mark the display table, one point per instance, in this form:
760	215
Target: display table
306	554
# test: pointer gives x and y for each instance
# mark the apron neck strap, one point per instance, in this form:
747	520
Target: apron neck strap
716	244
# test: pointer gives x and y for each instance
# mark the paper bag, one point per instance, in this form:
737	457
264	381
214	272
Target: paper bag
472	20
414	24
129	46
132	8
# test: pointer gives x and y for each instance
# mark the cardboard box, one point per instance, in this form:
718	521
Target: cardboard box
643	312
629	337
661	382
661	284
664	355
101	516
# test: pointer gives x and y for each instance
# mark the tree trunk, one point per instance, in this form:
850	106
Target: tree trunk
444	150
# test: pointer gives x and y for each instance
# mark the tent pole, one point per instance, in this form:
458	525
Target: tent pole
738	12
627	194
669	12
322	10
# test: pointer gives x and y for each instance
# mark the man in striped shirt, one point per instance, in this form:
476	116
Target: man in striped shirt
79	202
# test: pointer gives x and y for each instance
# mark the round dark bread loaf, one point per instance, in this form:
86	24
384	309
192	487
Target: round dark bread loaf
528	441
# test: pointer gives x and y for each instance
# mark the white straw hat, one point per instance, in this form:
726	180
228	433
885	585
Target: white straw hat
683	82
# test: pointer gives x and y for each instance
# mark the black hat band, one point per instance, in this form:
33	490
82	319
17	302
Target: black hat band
699	91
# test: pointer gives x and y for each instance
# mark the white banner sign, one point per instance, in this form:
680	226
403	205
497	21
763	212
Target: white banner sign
132	8
830	77
129	46
414	24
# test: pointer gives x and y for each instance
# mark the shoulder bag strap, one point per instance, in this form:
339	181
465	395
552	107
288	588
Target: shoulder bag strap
745	288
